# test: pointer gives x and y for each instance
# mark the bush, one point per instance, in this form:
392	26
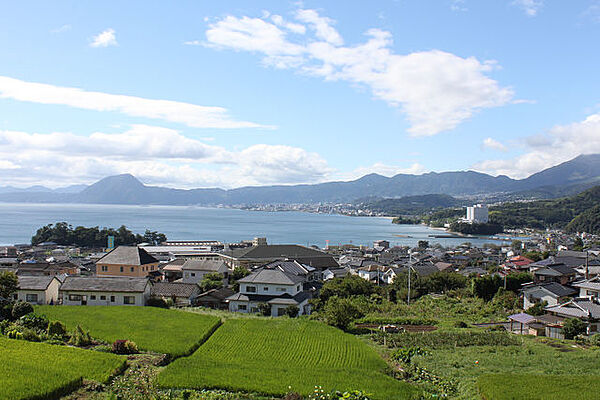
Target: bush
573	327
30	335
292	311
595	339
33	321
537	309
340	312
80	338
157	302
57	328
124	347
405	355
264	309
21	308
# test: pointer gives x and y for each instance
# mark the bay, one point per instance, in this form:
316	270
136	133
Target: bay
19	222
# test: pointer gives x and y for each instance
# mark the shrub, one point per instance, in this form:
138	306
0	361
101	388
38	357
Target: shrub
21	308
124	347
157	302
537	309
573	327
34	321
103	349
595	339
405	355
292	311
264	309
340	312
30	335
57	328
80	338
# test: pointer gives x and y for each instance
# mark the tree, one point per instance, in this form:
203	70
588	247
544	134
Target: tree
239	273
340	312
212	280
537	308
578	244
264	309
423	244
9	284
573	327
292	311
346	287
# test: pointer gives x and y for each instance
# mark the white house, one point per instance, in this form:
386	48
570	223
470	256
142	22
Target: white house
589	288
38	289
113	291
275	287
194	270
552	293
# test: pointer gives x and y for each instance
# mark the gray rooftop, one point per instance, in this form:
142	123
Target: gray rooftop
167	289
203	265
273	276
127	255
34	282
91	284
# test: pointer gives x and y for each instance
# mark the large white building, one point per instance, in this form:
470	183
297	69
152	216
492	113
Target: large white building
477	214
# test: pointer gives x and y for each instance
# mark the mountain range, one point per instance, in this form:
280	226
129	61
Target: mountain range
564	179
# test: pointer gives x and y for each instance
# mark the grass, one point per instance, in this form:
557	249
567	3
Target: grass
39	371
153	329
276	356
533	357
538	387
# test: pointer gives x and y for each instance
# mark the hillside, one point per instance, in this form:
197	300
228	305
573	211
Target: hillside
411	205
576	174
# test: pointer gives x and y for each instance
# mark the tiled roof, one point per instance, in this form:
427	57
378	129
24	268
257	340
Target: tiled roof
273	276
167	289
106	284
204	265
127	255
276	250
34	282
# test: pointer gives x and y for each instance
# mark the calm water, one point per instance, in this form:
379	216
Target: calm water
18	222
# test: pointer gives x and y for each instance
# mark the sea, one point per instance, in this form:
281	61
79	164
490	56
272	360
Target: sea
19	222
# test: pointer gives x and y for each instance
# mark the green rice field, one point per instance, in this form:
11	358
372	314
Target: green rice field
153	329
36	370
539	387
274	357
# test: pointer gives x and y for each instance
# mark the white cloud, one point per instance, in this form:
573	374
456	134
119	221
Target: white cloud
530	7
104	39
193	43
492	144
295	28
185	113
61	29
436	90
561	143
154	154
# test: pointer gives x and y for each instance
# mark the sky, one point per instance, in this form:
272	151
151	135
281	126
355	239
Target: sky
226	94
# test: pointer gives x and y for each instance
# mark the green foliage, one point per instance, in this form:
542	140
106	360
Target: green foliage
42	371
476	229
340	312
124	347
264	309
57	328
508	386
382	319
21	308
406	221
423	244
537	309
445	339
212	280
157	302
64	234
348	286
9	284
297	353
487	286
172	332
588	221
34	321
292	311
405	354
410	205
438	282
595	339
80	338
573	327
239	273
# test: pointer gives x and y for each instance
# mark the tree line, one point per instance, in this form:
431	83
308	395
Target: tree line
64	234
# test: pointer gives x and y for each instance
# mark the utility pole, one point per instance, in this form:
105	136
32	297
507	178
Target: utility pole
587	272
409	268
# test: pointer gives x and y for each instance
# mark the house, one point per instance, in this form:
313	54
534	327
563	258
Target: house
373	273
589	288
182	294
551	292
194	270
105	291
559	273
443	266
262	254
172	269
274	287
46	268
331	273
38	289
215	298
586	309
126	261
8	251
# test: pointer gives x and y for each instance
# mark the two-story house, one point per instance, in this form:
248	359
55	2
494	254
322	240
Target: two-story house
127	261
559	273
193	270
589	287
274	287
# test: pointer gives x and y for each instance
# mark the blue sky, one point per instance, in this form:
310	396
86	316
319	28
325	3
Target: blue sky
235	93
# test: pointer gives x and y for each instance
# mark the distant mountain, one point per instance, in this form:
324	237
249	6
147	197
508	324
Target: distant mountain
577	174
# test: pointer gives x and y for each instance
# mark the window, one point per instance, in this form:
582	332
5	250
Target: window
253	309
31	298
102	297
74	297
266	288
93	297
132	269
242	307
104	268
112	299
298	288
193	274
129	299
121	269
251	289
281	289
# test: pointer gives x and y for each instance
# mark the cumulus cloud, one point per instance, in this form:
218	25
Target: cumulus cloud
530	7
492	144
156	155
104	39
436	90
184	113
561	143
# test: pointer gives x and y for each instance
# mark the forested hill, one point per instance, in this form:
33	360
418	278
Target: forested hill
411	205
575	214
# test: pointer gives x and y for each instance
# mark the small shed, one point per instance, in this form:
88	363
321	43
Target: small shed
519	323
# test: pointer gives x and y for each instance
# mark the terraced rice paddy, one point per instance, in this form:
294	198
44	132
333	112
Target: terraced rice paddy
538	387
277	356
37	370
153	329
